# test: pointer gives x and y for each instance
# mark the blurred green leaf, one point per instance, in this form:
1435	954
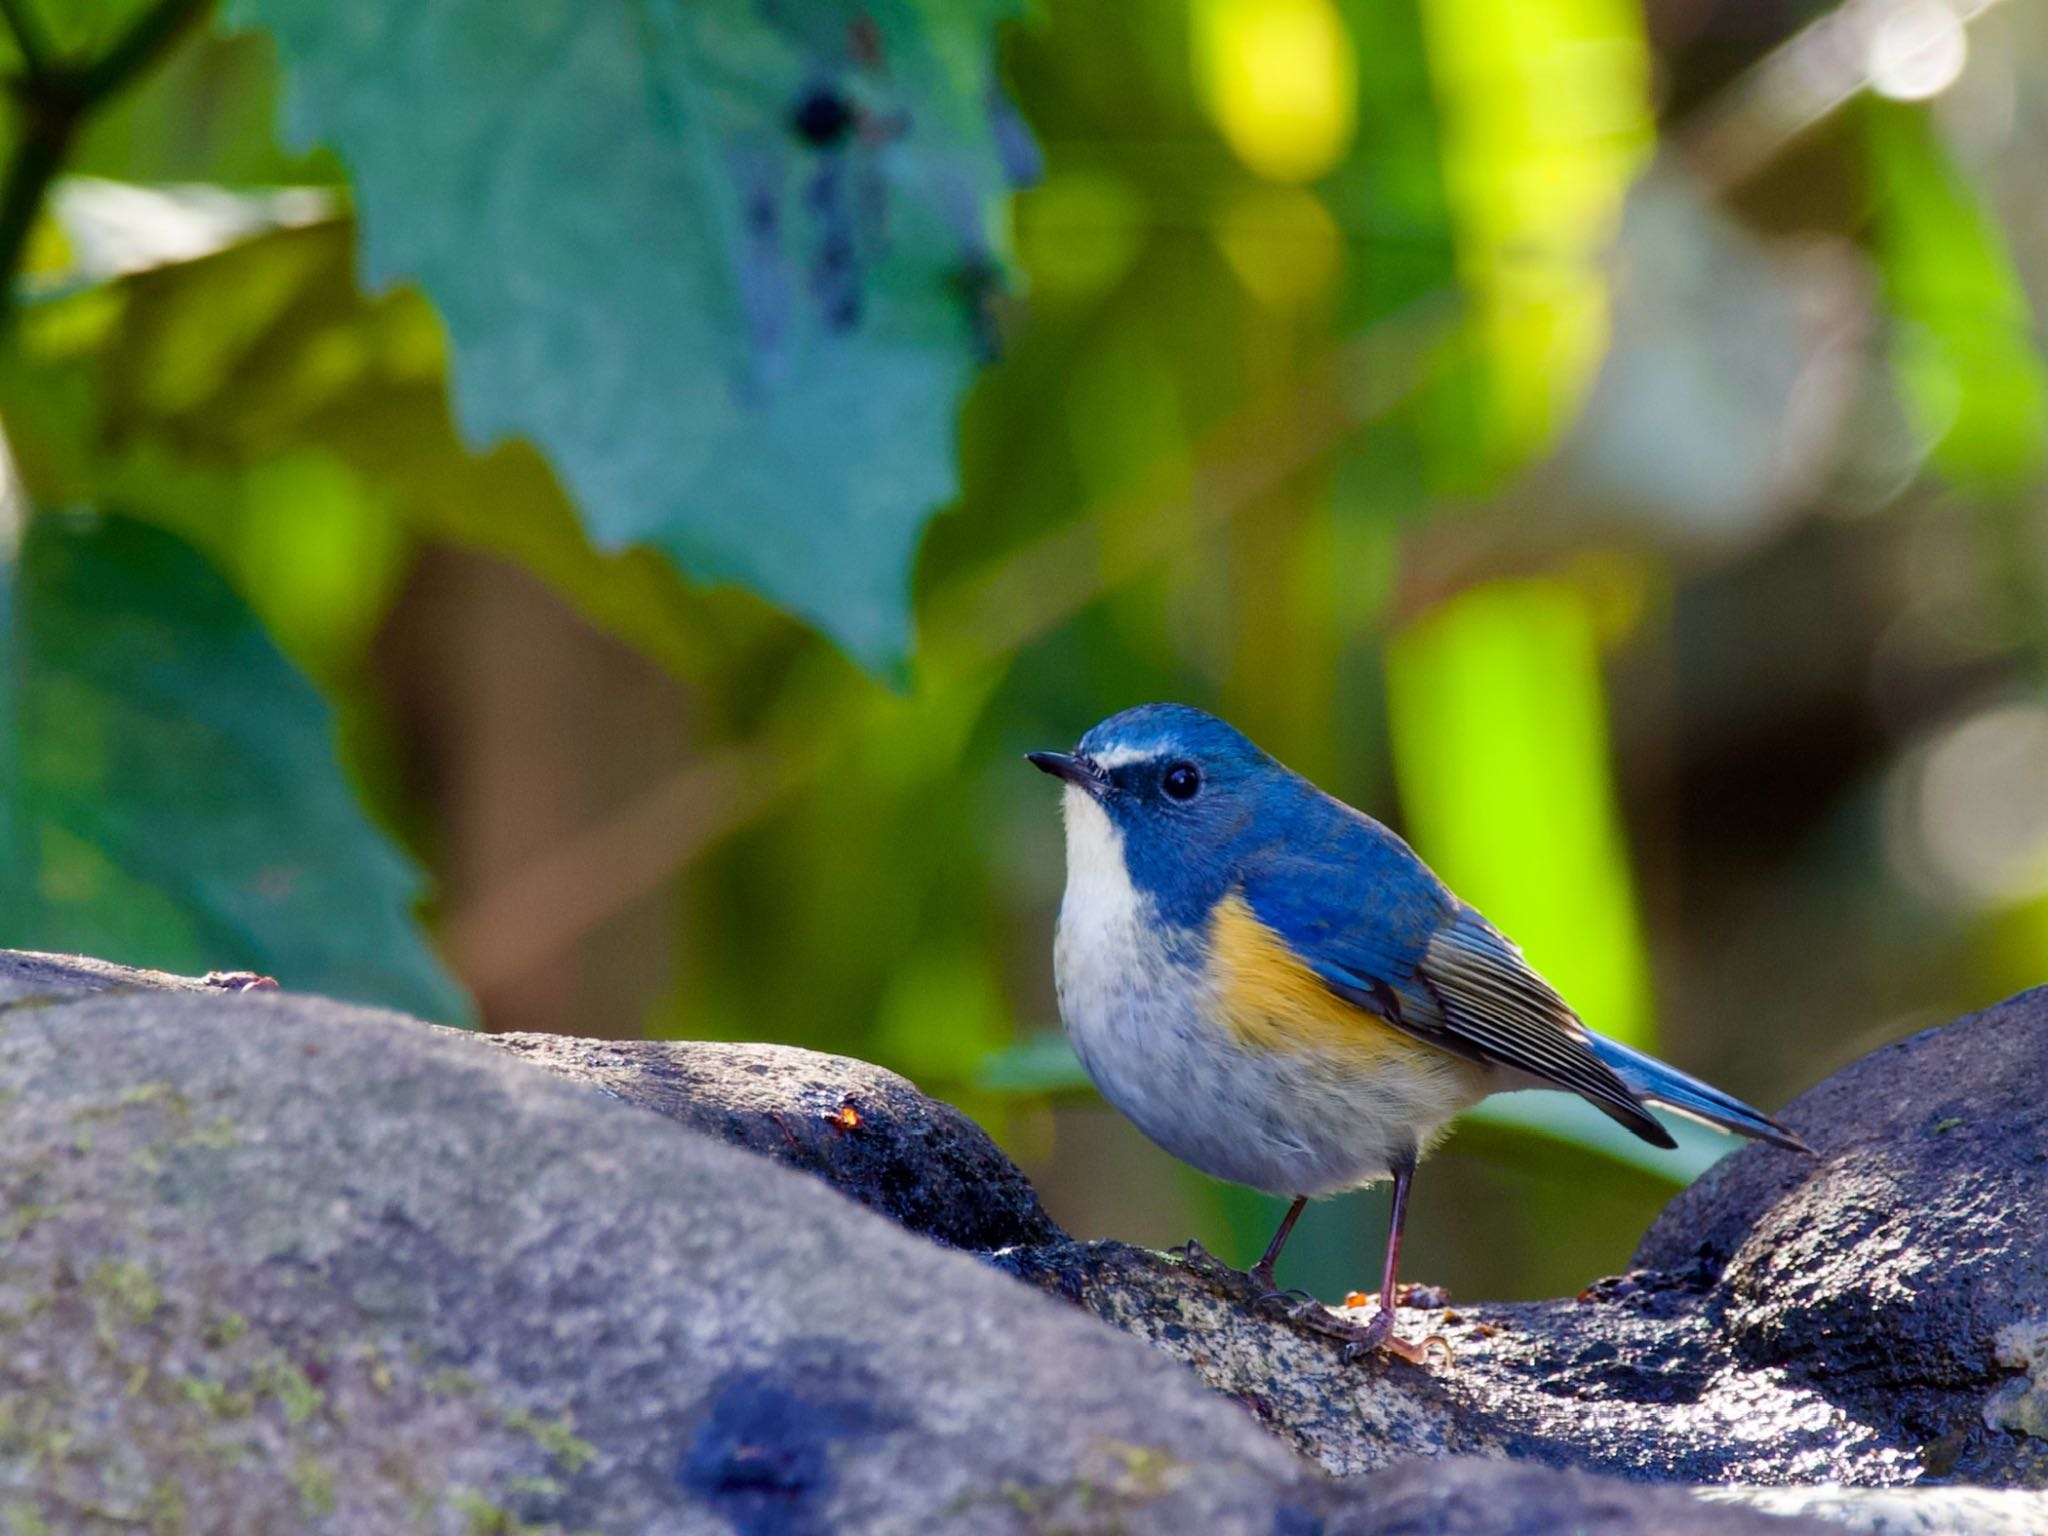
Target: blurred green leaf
1962	344
1040	1063
206	113
170	792
726	268
1546	120
1501	753
1565	1118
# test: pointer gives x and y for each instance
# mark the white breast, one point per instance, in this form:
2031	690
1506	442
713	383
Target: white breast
1140	1013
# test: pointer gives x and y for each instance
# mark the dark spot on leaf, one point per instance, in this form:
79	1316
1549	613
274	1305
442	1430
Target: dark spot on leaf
864	42
762	276
978	284
835	268
760	211
822	117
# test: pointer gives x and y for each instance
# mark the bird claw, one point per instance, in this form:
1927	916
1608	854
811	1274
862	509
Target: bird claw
1378	1335
1294	1306
1419	1354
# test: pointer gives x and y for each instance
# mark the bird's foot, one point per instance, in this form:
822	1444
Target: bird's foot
1251	1288
1292	1304
1374	1335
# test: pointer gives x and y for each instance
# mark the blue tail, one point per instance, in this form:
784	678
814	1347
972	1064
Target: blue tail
1688	1096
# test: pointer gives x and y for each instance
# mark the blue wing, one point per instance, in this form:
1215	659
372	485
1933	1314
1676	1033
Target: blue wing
1368	916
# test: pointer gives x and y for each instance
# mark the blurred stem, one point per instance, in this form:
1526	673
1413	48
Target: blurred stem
53	98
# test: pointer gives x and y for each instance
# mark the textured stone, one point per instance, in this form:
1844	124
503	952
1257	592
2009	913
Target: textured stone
1902	1273
1639	1385
27	978
272	1263
1468	1496
1923	1511
867	1132
311	1267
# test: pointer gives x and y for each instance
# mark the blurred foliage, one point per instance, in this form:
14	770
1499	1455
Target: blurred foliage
174	790
1500	740
1537	420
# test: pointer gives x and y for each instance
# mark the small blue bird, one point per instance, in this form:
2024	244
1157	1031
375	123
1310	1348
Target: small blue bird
1277	990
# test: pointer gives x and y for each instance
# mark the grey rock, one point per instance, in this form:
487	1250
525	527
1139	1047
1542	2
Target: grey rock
1470	1496
1924	1511
1903	1272
867	1132
304	1266
1640	1386
28	978
273	1263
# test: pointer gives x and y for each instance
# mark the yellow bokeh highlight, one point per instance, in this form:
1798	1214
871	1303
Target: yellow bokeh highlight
1281	242
1281	81
1501	754
1078	232
1546	121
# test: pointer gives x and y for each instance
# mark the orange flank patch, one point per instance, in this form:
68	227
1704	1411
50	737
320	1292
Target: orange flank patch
1270	1001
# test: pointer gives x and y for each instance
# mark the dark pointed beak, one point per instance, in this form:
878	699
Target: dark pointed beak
1064	765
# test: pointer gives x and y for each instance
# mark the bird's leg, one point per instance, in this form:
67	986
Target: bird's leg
1378	1331
1262	1272
1255	1287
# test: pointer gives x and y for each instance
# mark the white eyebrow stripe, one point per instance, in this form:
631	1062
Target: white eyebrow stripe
1118	757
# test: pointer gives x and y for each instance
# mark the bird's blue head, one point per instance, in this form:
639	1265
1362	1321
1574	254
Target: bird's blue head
1189	799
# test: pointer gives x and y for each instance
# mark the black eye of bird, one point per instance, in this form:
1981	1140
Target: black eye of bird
1181	780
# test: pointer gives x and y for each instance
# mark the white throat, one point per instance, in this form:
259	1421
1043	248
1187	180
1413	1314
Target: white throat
1099	889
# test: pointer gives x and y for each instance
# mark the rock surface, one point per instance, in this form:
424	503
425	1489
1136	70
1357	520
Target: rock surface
864	1130
28	978
1903	1273
272	1263
1925	1510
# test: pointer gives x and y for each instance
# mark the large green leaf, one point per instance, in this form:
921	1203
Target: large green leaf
725	263
168	782
219	367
